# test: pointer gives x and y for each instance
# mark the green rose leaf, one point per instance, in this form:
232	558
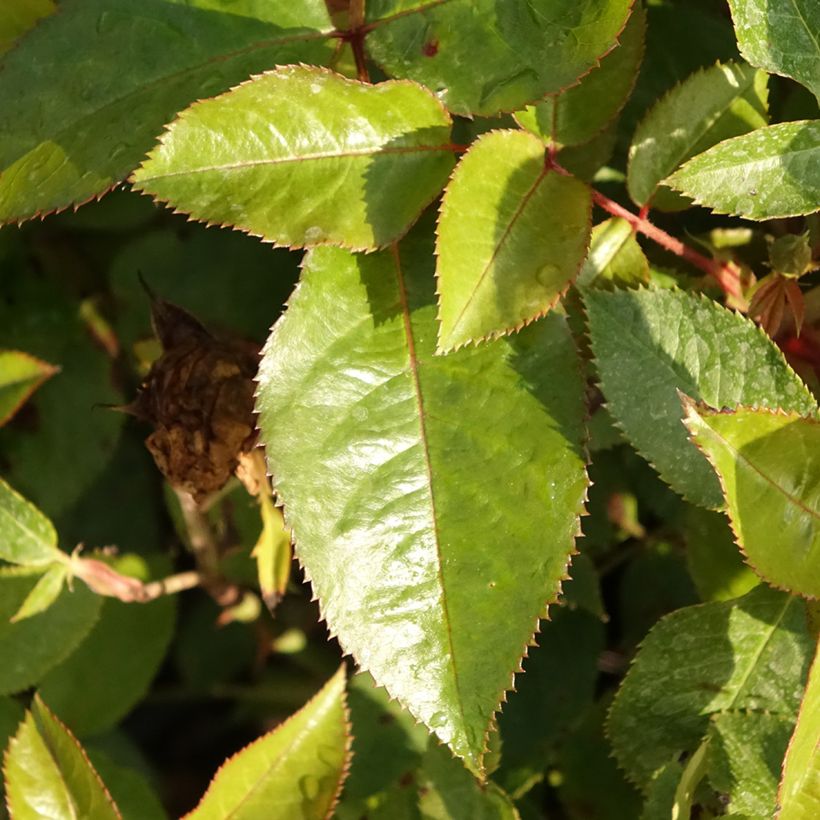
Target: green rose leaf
294	772
799	794
704	662
767	462
615	256
780	36
381	452
44	593
48	774
26	535
74	128
20	375
483	57
276	157
711	105
771	173
576	115
650	344
512	235
18	16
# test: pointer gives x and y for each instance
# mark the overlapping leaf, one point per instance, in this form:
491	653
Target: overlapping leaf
399	470
709	106
26	535
768	465
576	115
649	344
781	36
18	16
483	57
614	256
48	774
278	157
511	236
709	660
74	127
771	173
20	376
294	772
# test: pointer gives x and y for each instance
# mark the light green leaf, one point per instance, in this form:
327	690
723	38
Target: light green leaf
73	128
771	173
272	551
781	36
294	772
576	115
614	256
711	105
302	156
511	236
483	57
49	775
44	593
18	16
20	375
31	647
649	344
799	794
712	659
768	464
26	535
381	452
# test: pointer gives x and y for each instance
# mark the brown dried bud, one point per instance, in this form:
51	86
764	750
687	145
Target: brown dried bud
199	397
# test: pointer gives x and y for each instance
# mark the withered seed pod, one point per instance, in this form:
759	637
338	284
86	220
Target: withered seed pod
199	397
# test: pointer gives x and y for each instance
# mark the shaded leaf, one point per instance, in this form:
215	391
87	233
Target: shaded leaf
576	115
660	793
381	451
583	589
511	236
26	535
295	771
768	463
18	16
483	57
614	256
44	593
288	167
772	172
781	37
20	376
49	775
272	551
31	647
131	791
711	105
751	653
74	127
649	344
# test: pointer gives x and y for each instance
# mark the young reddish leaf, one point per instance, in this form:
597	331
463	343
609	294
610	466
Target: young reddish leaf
433	500
482	56
277	157
74	128
576	115
48	774
26	535
295	771
768	463
20	375
711	105
511	237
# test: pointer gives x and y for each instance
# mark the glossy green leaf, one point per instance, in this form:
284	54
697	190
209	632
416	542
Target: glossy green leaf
576	115
278	157
381	452
799	793
32	646
294	772
771	173
511	236
780	36
708	660
18	16
49	775
121	654
768	463
614	256
44	593
711	105
482	57
649	344
20	376
26	535
73	128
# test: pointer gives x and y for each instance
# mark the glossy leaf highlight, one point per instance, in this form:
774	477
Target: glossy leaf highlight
26	535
